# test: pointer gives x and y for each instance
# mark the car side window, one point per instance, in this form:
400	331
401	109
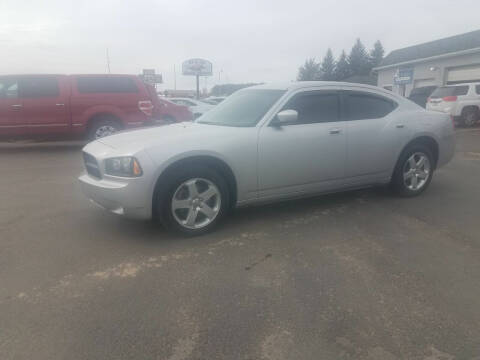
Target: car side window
105	84
8	89
314	107
362	106
477	89
460	90
37	87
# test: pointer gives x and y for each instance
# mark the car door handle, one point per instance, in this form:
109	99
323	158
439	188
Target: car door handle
334	131
59	104
399	126
17	106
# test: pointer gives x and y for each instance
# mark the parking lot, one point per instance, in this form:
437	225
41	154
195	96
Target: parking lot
360	275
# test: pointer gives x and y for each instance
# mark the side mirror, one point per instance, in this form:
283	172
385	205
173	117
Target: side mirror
286	117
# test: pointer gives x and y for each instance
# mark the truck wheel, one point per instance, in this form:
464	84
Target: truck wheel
470	117
103	127
168	119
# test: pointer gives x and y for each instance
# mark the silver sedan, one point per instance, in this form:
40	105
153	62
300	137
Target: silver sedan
268	143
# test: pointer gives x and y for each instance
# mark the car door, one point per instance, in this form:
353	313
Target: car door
11	120
45	104
374	135
305	156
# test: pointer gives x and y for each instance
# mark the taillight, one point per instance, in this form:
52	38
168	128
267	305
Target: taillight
449	98
146	107
428	100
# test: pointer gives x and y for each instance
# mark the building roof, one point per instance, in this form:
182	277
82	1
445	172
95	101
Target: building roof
444	46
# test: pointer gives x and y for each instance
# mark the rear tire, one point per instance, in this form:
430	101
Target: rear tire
413	172
470	117
102	127
194	200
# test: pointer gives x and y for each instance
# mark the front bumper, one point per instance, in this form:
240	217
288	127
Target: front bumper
119	197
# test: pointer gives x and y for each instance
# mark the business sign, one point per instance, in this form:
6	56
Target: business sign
197	67
149	76
403	76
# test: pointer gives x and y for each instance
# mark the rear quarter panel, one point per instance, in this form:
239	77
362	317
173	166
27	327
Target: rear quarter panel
124	106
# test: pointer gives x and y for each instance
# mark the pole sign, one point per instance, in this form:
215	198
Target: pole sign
197	67
403	76
149	76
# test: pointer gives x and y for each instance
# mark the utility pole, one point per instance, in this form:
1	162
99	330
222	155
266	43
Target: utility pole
174	77
198	86
108	62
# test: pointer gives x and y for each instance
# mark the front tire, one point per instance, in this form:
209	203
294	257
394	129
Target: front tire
414	171
194	201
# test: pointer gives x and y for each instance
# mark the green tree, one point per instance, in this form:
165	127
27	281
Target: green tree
376	54
309	71
328	67
342	70
359	60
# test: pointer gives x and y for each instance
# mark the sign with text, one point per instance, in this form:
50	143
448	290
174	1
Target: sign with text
197	67
403	76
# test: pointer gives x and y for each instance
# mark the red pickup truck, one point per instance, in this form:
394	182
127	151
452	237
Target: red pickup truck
91	105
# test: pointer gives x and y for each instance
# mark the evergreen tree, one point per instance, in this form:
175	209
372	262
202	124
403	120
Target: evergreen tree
328	67
309	71
342	70
359	60
376	54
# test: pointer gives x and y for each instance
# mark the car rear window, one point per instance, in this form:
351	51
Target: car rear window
106	84
450	91
426	90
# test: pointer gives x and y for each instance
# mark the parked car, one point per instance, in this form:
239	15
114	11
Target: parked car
80	105
197	107
462	102
268	143
420	95
168	112
214	100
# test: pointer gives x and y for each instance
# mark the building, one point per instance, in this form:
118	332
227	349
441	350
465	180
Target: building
452	60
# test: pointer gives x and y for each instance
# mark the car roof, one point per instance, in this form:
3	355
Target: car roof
295	85
462	84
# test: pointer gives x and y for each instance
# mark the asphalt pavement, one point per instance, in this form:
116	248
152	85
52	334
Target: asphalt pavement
358	275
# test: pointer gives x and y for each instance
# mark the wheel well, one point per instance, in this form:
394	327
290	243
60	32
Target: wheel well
208	161
102	116
429	142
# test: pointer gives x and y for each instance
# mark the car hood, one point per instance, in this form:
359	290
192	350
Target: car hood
184	135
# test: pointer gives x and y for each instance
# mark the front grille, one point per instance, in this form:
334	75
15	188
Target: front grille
91	165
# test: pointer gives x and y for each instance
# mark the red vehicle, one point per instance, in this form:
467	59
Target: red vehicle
79	105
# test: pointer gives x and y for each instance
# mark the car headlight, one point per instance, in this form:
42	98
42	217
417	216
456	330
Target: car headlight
126	166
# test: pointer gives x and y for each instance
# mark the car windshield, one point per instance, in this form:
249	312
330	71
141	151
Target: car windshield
243	109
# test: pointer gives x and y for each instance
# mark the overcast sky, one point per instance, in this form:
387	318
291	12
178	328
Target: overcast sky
250	40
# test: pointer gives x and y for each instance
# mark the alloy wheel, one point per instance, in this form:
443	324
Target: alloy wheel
196	203
104	130
416	171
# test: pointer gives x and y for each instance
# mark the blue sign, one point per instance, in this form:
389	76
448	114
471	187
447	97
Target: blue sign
403	76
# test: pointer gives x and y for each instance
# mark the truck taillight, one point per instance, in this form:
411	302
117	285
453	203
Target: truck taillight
449	98
146	107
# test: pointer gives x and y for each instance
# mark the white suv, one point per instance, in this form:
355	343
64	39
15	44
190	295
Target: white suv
462	102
